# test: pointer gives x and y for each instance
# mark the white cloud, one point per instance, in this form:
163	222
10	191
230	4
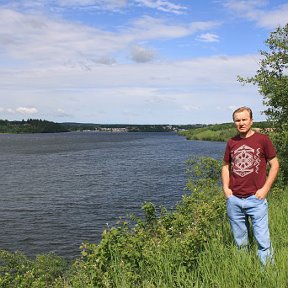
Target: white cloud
112	5
199	70
208	37
53	6
149	28
203	25
165	6
86	69
61	113
274	18
26	110
6	110
19	110
41	41
168	92
190	107
260	12
141	54
100	4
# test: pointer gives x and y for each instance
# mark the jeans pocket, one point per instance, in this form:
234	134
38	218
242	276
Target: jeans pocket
260	200
229	201
253	197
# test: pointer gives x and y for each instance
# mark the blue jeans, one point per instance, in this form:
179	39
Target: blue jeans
239	210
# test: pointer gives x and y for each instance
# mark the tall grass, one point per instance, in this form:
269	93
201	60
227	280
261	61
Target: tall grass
222	265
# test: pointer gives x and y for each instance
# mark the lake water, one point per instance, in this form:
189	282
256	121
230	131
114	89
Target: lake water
58	190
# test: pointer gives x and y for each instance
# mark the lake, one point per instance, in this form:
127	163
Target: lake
58	190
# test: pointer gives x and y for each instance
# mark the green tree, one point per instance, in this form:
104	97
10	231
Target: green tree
272	81
272	76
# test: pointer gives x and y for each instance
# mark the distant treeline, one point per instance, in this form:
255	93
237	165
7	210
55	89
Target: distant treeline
217	132
31	126
128	127
44	126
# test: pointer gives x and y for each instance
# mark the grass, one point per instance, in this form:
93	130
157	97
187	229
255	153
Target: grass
217	132
223	265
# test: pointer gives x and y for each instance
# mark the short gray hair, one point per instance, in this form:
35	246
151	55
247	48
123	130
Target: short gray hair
241	109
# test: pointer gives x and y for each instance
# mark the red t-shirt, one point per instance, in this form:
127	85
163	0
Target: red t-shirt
248	158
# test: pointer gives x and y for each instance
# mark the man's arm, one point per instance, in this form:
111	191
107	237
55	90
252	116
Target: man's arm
274	168
225	179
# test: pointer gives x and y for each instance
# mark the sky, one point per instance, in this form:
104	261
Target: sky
132	61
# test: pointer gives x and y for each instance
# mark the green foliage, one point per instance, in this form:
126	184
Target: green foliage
280	140
203	173
216	132
272	81
30	126
17	270
272	78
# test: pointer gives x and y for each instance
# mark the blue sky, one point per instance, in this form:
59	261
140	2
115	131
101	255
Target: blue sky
132	61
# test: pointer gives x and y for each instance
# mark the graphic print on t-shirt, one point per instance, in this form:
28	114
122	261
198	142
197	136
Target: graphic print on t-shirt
246	160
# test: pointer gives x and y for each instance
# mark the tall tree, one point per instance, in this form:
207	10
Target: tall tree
272	77
272	81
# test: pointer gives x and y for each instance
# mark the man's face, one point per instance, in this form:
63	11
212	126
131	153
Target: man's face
243	122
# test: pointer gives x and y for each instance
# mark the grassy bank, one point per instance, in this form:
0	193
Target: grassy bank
190	246
216	132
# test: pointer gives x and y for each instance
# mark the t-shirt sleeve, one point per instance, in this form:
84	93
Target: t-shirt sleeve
270	151
226	157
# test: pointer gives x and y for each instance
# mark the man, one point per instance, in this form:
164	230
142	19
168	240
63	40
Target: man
245	183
